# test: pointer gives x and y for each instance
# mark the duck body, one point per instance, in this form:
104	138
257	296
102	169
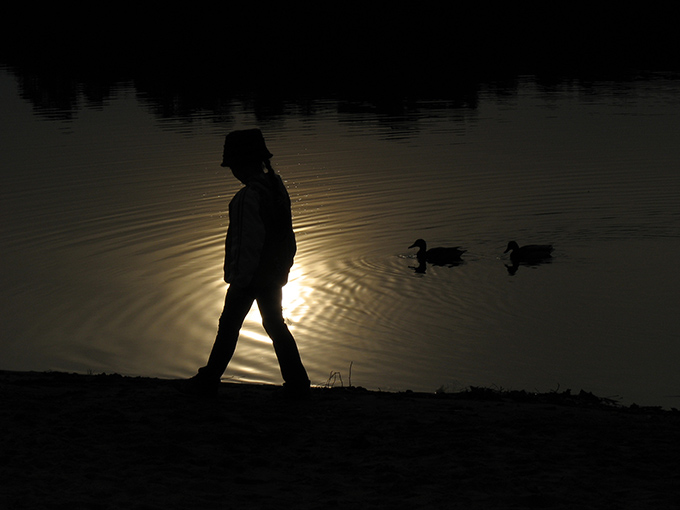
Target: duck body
528	253
438	256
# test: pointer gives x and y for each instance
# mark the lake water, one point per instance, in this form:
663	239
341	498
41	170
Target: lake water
114	216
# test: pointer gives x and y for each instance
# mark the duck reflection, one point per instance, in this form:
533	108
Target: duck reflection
436	256
528	255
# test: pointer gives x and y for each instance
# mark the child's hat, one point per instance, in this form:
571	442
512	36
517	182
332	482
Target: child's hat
244	145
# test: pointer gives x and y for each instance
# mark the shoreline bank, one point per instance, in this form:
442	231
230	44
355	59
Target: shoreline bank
108	441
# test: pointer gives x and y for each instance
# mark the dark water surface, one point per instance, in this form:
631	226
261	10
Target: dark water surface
113	220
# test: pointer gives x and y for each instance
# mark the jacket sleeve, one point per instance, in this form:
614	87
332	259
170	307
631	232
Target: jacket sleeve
245	238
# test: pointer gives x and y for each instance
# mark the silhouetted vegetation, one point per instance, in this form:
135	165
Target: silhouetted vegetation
190	61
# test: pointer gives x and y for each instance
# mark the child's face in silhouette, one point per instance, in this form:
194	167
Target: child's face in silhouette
246	170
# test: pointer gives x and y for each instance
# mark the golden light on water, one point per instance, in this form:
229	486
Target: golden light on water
295	302
139	248
296	296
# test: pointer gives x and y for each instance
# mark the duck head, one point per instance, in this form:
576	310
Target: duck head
420	243
512	245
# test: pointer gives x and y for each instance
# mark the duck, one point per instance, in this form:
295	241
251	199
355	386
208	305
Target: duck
437	256
529	252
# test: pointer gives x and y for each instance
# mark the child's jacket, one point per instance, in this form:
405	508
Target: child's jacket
260	244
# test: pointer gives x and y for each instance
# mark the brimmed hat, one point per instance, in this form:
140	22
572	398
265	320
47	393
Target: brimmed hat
244	145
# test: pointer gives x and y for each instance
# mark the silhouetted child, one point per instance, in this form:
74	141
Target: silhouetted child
259	252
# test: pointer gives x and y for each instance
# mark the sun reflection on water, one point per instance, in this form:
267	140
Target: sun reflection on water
135	252
296	297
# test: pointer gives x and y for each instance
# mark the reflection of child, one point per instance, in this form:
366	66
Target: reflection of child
259	252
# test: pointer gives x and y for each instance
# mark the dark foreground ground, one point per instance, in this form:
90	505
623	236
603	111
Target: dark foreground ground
105	441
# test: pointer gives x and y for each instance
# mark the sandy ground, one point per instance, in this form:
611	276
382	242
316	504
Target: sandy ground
104	441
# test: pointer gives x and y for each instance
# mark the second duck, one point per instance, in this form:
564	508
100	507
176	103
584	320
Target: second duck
528	253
